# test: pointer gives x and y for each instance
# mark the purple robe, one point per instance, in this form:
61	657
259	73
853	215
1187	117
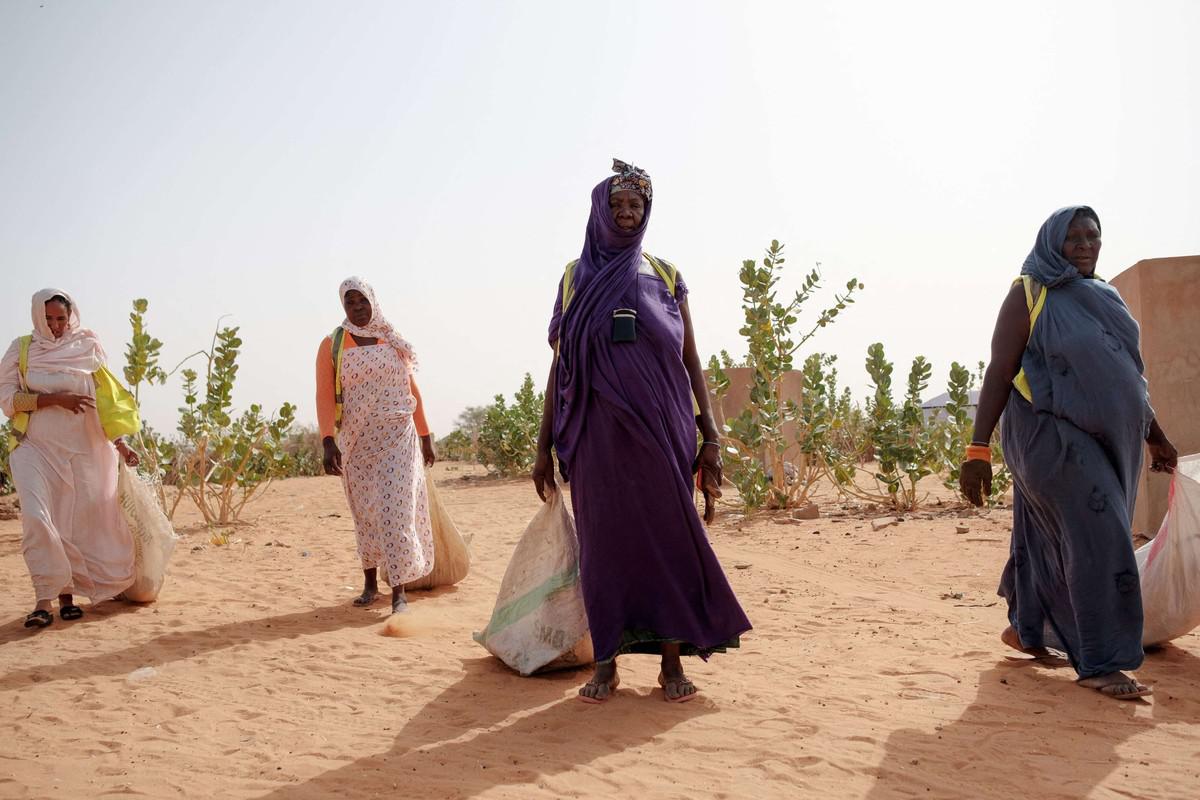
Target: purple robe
625	435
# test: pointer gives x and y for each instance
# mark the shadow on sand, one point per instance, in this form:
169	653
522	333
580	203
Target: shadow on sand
175	646
458	747
994	750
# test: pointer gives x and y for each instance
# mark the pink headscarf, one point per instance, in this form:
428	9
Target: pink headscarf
378	327
78	350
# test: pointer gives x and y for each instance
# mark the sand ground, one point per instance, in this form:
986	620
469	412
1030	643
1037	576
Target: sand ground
874	671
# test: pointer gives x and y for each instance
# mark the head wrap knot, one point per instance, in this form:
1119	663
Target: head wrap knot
630	179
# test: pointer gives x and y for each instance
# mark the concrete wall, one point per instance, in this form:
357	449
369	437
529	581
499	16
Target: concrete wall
1163	294
738	397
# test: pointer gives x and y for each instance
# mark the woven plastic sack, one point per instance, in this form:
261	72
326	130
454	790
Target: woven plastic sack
539	622
1169	566
153	537
451	556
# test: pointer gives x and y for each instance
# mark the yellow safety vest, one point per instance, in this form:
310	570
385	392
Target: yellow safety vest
115	406
1035	301
665	269
338	337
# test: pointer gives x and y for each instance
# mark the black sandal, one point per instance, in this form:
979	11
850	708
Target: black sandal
71	612
39	619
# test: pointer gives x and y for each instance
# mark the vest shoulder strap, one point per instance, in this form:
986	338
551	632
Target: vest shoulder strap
338	340
1035	301
23	355
568	283
665	269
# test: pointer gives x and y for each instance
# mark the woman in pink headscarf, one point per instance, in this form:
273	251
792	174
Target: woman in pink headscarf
374	433
74	536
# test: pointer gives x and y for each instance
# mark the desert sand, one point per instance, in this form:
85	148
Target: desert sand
874	671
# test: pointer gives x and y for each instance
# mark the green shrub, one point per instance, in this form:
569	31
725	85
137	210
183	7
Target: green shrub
507	442
755	441
224	461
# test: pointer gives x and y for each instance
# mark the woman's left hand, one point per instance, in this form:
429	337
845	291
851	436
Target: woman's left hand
127	455
428	451
1163	456
711	478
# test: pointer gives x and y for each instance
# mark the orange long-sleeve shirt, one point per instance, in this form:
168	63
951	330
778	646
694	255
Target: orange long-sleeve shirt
325	393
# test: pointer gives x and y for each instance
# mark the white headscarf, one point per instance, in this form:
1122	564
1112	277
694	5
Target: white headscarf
78	350
378	327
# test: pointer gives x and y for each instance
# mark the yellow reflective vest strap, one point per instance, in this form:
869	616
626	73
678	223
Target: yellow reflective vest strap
1035	301
568	284
20	420
665	269
338	340
115	405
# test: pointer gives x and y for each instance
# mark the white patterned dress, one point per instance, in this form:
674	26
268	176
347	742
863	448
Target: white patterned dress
382	465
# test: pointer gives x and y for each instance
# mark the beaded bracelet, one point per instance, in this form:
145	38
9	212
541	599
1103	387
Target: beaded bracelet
979	453
25	401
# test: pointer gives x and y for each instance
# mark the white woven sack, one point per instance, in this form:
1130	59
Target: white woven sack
153	537
1169	566
539	622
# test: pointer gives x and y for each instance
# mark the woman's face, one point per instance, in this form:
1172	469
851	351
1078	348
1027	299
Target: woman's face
628	209
58	316
358	308
1082	245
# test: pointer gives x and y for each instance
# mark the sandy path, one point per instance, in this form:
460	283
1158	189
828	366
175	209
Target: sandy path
859	681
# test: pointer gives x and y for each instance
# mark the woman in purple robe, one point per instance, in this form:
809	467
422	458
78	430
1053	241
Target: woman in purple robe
621	417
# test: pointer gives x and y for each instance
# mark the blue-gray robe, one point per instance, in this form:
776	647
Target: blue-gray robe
1075	453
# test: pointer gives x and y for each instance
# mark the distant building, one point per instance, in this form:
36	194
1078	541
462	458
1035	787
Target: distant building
937	405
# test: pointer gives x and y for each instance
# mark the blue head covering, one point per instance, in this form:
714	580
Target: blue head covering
1045	261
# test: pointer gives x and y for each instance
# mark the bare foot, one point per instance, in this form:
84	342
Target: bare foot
675	685
367	597
603	684
678	688
1117	685
1013	640
399	601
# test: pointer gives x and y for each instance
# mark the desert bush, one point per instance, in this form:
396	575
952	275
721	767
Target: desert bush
953	433
755	441
142	355
224	461
456	446
304	453
6	482
507	441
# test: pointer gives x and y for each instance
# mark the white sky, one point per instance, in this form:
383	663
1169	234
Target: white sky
242	158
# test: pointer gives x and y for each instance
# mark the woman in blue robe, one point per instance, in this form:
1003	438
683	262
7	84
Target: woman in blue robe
1067	375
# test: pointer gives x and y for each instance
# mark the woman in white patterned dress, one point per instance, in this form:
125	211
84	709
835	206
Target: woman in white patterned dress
374	434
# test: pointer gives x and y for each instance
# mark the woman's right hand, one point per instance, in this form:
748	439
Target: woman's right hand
975	480
543	474
332	461
75	403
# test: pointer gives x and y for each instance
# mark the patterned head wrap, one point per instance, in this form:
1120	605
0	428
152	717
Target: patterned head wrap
378	327
630	179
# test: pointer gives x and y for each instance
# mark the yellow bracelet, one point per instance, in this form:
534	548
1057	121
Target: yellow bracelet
977	453
25	401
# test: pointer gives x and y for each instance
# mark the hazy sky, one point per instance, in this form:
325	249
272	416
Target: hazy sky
242	158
